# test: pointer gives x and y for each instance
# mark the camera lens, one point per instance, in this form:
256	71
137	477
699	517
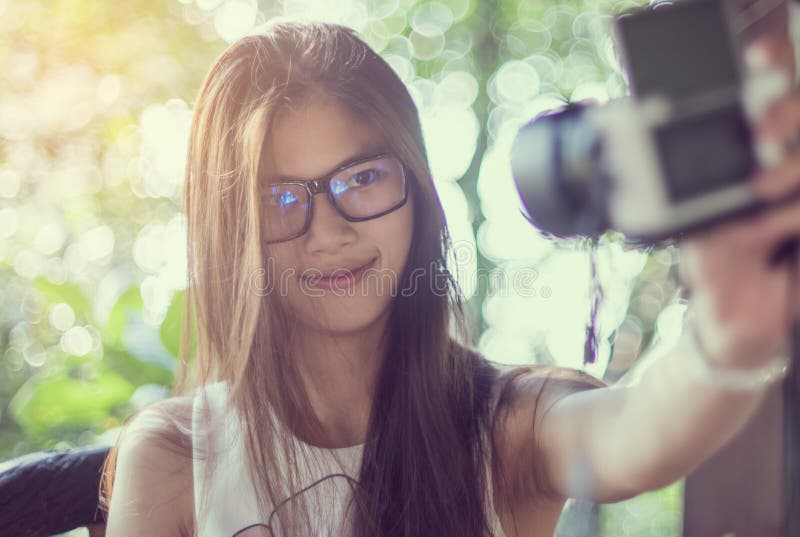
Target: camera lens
556	161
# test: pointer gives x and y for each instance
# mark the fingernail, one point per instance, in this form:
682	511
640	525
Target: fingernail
763	88
756	56
769	153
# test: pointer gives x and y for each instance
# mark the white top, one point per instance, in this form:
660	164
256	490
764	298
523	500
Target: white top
232	509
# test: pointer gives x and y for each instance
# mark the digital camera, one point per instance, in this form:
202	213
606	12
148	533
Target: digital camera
673	156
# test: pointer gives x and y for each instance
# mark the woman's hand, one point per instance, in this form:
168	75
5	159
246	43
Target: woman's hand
744	307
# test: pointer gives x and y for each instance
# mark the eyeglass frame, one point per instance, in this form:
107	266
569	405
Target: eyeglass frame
323	185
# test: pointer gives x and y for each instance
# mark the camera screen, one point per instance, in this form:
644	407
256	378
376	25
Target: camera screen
679	50
705	152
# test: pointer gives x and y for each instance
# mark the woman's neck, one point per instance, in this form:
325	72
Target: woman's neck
340	373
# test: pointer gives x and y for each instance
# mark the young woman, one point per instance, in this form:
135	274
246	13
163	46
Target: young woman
339	394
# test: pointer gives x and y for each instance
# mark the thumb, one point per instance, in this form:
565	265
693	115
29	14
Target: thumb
773	50
766	77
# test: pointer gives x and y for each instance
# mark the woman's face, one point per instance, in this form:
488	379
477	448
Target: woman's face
308	143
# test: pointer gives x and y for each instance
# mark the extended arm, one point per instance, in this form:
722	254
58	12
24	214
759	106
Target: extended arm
609	444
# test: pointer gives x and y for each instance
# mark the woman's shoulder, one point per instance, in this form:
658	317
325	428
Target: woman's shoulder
530	389
152	491
165	413
166	425
522	395
521	381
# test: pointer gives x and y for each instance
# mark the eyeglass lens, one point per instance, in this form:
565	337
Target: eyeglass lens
360	191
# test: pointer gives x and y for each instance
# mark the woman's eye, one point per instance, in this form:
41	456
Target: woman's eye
364	178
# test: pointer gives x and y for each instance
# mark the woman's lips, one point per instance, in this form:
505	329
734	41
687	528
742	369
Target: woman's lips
342	279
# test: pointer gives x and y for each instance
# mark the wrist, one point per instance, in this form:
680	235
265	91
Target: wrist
712	371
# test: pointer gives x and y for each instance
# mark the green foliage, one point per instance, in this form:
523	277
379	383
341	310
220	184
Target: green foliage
68	293
653	514
129	303
59	400
171	328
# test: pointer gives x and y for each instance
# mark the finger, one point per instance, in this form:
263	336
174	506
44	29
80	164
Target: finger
782	120
716	241
769	78
796	282
779	181
785	251
728	236
774	49
777	224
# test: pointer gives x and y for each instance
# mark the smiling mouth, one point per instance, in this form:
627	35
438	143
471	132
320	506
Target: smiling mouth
339	279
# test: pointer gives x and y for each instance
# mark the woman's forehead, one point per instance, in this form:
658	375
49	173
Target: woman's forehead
314	140
272	172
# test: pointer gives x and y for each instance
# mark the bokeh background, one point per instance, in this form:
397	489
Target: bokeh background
95	105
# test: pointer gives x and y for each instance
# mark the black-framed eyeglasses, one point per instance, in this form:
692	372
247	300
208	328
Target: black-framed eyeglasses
359	191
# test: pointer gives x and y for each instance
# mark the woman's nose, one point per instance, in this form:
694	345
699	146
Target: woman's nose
328	230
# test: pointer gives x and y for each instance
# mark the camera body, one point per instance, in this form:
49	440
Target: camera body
674	156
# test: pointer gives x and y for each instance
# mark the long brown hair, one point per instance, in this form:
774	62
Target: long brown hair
422	466
419	473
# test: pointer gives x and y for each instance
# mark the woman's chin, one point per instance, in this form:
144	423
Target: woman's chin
343	315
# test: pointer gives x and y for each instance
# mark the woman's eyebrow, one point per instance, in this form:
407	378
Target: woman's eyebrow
361	155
